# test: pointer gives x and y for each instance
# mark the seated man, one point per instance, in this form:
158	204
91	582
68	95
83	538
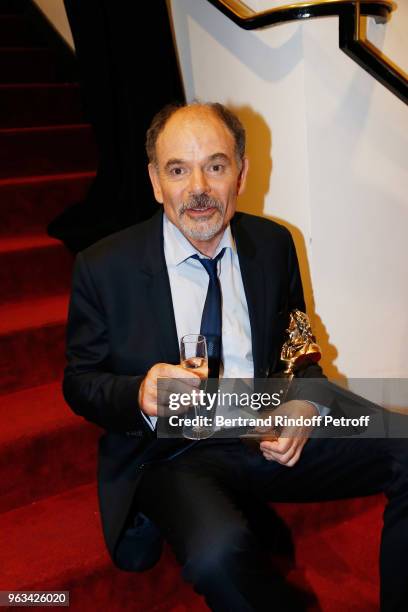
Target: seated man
134	295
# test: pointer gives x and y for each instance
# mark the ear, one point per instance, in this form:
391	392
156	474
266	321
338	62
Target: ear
155	181
243	176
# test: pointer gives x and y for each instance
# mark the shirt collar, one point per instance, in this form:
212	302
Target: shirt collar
177	248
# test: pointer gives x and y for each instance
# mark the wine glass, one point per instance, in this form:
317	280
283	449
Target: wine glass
193	354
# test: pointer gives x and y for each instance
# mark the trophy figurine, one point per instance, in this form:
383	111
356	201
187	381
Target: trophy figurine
298	350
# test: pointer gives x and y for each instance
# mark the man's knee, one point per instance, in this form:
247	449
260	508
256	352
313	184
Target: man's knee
396	452
219	557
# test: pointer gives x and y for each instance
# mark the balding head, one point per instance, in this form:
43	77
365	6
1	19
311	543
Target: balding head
230	120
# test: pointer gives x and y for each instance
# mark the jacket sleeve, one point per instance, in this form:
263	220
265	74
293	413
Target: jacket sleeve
89	386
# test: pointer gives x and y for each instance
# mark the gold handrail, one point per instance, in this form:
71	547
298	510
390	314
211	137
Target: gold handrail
352	40
245	13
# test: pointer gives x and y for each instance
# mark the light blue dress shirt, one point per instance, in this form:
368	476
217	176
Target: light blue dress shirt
189	284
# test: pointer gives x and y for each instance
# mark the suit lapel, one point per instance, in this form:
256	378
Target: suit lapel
159	292
253	278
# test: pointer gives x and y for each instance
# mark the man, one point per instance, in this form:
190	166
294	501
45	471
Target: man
134	295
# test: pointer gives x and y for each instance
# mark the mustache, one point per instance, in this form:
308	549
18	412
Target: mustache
200	201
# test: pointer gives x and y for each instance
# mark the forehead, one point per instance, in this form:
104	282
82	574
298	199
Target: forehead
194	133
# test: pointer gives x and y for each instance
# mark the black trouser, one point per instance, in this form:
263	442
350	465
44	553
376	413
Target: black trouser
197	501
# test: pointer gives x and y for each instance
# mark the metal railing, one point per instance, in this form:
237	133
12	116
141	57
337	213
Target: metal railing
351	31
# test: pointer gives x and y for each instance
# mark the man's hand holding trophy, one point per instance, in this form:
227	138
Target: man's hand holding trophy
299	350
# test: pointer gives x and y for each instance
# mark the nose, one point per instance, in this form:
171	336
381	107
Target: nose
198	182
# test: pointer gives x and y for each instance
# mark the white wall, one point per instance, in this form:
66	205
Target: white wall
328	149
54	11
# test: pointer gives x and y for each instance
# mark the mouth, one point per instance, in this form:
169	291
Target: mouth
201	212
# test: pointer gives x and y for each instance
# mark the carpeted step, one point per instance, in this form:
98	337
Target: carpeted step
16	30
57	544
32	342
33	266
308	518
61	538
339	561
44	447
39	104
29	204
46	150
27	65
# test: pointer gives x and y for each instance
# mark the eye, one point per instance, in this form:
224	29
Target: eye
177	171
216	168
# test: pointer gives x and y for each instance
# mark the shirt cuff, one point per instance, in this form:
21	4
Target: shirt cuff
322	410
151	421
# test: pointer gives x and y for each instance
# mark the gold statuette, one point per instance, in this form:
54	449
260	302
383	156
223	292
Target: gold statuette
300	348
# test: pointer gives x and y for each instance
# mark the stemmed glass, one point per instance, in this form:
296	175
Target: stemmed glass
193	354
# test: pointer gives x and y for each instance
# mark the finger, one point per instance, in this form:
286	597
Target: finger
177	371
294	459
283	459
151	409
185	385
174	387
286	460
150	389
168	370
295	444
287	457
279	446
272	457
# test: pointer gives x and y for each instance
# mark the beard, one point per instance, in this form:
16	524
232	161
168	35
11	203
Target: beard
207	226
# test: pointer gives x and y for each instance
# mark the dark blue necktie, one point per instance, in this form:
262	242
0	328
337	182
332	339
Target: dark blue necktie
211	320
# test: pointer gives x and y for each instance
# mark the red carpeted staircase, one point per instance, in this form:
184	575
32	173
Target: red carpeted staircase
50	535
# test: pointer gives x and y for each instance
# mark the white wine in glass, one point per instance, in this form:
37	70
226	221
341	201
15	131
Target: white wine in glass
193	353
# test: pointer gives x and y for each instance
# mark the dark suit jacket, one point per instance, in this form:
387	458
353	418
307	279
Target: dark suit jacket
121	322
